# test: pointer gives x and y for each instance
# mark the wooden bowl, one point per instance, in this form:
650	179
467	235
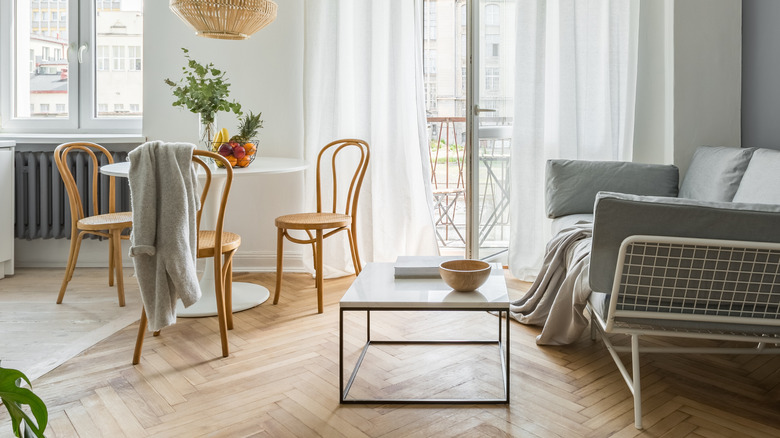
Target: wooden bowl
464	275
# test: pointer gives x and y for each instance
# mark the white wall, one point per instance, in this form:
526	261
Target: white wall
266	74
689	81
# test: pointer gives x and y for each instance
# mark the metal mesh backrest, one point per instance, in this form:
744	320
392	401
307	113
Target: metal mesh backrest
702	277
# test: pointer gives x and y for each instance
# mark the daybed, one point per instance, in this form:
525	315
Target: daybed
703	262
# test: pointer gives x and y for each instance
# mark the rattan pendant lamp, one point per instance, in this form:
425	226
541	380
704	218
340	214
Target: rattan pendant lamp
225	19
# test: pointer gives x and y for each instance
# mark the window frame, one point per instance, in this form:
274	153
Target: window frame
82	117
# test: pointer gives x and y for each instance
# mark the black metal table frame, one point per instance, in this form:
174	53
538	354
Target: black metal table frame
503	348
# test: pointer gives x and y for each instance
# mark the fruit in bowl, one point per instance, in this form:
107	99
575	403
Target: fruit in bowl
240	150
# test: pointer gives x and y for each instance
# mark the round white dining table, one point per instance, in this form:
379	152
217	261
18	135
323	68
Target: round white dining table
245	295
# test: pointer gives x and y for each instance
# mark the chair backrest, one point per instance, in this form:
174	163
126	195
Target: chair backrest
196	154
76	206
333	150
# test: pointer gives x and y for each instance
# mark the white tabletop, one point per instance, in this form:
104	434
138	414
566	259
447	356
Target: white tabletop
268	165
376	287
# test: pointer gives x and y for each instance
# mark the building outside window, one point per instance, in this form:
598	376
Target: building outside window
118	58
492	42
492	79
81	70
134	58
492	13
429	12
103	58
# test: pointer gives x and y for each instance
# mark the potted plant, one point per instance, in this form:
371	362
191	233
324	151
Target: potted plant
14	396
203	90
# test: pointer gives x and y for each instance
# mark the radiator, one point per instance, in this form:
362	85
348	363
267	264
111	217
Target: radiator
42	208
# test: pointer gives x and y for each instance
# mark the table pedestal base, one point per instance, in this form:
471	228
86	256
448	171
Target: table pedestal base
245	296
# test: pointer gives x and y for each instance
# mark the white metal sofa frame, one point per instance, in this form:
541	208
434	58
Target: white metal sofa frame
691	288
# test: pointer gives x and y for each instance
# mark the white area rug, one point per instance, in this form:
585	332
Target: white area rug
37	335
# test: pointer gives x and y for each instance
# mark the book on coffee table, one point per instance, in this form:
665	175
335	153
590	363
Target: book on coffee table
420	266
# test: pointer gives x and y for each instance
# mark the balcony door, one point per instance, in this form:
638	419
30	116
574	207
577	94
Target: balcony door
468	70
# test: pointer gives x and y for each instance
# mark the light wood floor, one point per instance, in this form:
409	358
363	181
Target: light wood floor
281	379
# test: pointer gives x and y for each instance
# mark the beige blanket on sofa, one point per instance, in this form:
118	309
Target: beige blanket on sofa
557	298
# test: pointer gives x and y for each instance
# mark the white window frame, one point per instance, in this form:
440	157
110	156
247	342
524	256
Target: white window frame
82	118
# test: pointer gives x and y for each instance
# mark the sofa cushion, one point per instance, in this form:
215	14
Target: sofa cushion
715	173
619	215
761	183
572	185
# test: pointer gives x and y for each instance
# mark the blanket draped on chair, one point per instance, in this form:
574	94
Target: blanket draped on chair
164	241
557	298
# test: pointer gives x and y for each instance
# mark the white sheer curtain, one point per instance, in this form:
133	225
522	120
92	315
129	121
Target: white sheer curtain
575	89
363	79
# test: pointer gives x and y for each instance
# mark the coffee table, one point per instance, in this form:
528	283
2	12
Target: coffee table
376	289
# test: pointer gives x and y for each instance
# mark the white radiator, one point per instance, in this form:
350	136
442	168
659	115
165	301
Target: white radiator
42	209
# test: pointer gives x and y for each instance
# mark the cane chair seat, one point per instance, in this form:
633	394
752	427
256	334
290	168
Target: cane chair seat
207	242
313	221
107	221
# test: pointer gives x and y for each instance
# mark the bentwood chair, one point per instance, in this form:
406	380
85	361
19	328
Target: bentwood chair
216	244
329	219
109	225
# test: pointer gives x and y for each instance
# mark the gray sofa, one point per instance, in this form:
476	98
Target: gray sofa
700	262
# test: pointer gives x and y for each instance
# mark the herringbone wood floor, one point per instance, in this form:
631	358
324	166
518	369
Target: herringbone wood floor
281	379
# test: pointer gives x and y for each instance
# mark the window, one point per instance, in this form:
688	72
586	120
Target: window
118	107
429	12
463	15
118	58
429	64
77	65
135	108
134	58
492	42
492	79
492	15
102	58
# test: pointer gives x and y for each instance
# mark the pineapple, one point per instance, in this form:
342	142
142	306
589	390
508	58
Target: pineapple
247	128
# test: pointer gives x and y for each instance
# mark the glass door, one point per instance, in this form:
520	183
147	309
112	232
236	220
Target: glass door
489	125
468	65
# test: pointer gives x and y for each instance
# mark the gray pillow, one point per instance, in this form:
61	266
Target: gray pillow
715	173
572	185
761	183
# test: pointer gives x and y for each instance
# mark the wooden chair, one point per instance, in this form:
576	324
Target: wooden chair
109	225
334	219
211	243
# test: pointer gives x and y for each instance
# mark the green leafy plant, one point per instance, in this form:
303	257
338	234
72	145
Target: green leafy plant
14	397
203	90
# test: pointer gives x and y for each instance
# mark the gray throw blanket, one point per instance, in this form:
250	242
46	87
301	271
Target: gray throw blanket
164	241
557	298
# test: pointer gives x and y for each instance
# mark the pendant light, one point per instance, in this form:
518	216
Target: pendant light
225	19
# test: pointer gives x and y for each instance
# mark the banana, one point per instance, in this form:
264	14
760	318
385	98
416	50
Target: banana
217	141
225	135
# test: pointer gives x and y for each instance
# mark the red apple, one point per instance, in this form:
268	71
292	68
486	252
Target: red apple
239	152
225	149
